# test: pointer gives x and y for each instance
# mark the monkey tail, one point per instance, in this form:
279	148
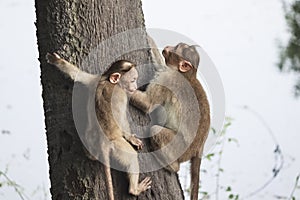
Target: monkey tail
195	176
107	172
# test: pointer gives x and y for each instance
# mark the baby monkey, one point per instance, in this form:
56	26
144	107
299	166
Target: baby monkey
111	99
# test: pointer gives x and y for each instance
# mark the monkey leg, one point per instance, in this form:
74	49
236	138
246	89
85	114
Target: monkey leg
127	157
161	137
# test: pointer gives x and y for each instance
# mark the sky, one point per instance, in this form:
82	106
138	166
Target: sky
240	37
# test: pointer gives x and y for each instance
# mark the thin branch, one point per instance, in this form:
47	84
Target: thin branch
279	158
295	186
219	167
14	185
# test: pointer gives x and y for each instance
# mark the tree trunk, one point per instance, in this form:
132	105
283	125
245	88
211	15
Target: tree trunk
75	29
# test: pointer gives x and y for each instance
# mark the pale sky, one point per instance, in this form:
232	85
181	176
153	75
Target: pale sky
239	37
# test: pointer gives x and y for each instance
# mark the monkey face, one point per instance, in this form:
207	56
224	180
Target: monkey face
174	55
171	57
128	81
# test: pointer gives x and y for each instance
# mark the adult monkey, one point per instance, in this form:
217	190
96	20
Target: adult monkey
111	99
174	137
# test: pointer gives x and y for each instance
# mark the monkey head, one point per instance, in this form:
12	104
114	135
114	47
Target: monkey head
124	74
181	57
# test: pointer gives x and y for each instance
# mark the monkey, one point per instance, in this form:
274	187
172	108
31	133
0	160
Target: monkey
112	91
181	63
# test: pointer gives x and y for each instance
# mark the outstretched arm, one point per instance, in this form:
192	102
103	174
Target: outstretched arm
63	65
71	70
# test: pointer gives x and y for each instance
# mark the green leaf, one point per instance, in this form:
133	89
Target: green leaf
213	130
231	196
227	125
234	140
209	156
297	178
228	189
229	119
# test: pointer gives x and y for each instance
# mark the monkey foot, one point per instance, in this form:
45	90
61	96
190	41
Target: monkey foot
142	186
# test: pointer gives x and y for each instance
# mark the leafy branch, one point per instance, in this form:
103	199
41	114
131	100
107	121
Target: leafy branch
292	197
217	156
231	195
13	184
279	158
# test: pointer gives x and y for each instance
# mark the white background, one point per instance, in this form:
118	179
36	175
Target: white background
239	36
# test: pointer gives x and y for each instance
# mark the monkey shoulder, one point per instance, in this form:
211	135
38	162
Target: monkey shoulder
111	101
106	91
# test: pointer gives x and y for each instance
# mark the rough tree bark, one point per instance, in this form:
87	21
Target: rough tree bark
73	28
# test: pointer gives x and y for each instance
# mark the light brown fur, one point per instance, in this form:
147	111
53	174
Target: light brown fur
110	107
185	64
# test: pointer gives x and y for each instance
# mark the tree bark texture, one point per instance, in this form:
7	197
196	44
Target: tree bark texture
73	28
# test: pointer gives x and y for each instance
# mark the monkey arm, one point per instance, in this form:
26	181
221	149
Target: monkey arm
141	101
63	65
149	100
71	70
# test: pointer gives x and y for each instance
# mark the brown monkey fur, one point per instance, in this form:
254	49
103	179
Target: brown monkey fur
112	89
181	59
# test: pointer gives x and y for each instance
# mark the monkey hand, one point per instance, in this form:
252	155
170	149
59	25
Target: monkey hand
135	141
53	58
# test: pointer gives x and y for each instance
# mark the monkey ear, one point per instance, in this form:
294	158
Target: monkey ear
115	77
185	66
